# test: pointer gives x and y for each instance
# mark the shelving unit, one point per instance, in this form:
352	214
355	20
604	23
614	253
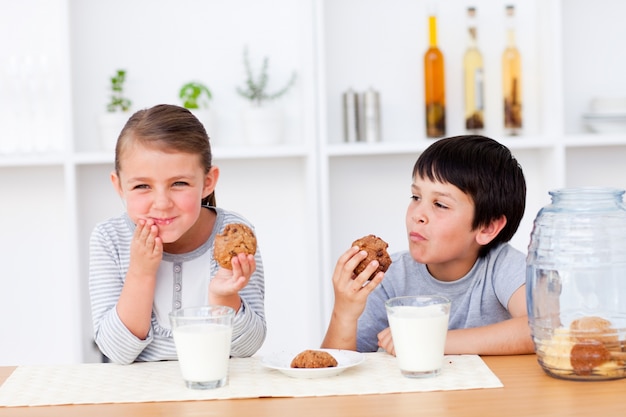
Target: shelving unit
310	197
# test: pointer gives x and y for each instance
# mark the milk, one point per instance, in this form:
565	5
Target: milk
203	351
419	336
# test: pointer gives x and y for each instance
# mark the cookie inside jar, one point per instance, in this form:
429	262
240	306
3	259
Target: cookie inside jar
590	348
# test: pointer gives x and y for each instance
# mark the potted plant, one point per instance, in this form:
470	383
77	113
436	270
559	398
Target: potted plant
263	123
196	97
118	111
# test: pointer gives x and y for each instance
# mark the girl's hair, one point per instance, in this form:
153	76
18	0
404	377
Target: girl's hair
485	170
169	128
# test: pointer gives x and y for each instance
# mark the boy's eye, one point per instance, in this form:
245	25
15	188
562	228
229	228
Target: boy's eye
415	198
443	206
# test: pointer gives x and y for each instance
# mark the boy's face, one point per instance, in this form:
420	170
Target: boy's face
439	228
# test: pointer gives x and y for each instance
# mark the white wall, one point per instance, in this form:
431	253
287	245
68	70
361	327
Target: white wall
163	43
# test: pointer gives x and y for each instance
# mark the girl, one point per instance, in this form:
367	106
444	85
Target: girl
158	256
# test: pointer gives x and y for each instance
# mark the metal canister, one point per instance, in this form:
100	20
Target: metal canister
371	116
351	128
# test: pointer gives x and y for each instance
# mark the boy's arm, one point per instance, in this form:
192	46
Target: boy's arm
341	333
509	337
350	298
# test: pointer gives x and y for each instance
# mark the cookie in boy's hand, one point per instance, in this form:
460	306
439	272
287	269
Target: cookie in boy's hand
376	249
236	238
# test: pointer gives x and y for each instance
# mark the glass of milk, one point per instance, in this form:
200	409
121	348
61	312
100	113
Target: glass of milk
202	336
419	325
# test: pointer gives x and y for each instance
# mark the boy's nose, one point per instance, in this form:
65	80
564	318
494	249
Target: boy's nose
418	216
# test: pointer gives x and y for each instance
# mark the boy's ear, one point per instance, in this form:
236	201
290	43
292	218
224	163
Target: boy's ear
487	233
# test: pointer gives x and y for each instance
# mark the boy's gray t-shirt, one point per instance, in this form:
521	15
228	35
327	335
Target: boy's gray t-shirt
479	298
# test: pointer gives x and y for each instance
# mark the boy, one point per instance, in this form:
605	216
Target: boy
467	200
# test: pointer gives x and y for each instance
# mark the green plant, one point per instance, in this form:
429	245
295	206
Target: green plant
255	88
195	95
118	101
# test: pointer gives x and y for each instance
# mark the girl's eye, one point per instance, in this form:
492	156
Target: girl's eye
140	187
180	183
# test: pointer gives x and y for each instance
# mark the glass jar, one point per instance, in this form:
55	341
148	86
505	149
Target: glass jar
576	284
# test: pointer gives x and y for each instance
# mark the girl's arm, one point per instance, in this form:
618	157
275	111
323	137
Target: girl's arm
134	306
249	325
120	333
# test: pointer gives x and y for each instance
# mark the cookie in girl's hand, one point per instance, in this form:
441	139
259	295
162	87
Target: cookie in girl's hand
236	238
376	249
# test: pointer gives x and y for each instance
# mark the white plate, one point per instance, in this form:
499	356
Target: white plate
282	362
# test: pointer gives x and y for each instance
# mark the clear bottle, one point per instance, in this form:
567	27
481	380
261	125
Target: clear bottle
434	85
576	284
512	78
473	78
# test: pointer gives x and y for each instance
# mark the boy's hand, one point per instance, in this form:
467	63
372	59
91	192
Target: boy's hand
351	291
225	286
351	294
385	341
146	249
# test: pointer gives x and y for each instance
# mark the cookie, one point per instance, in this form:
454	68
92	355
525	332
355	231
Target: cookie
236	238
590	328
376	249
314	359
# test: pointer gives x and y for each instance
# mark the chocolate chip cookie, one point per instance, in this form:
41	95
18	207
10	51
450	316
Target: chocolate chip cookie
376	249
235	238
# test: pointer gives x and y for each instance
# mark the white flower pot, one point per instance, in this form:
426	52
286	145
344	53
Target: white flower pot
111	125
263	125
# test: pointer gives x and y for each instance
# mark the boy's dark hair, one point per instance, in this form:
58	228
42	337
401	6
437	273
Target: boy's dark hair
485	170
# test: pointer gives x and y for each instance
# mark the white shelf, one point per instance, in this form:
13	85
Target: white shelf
31	160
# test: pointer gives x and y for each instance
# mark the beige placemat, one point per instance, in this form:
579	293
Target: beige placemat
162	381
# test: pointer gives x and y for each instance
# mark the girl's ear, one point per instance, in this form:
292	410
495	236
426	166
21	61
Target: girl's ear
115	180
487	233
210	181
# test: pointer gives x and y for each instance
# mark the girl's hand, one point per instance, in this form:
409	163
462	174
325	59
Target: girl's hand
385	341
227	283
351	291
146	249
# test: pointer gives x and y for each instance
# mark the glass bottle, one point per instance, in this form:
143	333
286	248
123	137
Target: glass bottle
473	78
434	85
576	284
512	78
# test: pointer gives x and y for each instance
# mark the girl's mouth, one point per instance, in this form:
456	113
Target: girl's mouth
163	222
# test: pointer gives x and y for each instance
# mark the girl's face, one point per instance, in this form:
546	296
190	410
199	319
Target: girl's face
439	226
166	187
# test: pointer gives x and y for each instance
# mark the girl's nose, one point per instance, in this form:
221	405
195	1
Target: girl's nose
162	200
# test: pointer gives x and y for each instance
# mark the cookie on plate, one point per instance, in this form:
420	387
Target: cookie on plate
313	359
376	249
236	238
